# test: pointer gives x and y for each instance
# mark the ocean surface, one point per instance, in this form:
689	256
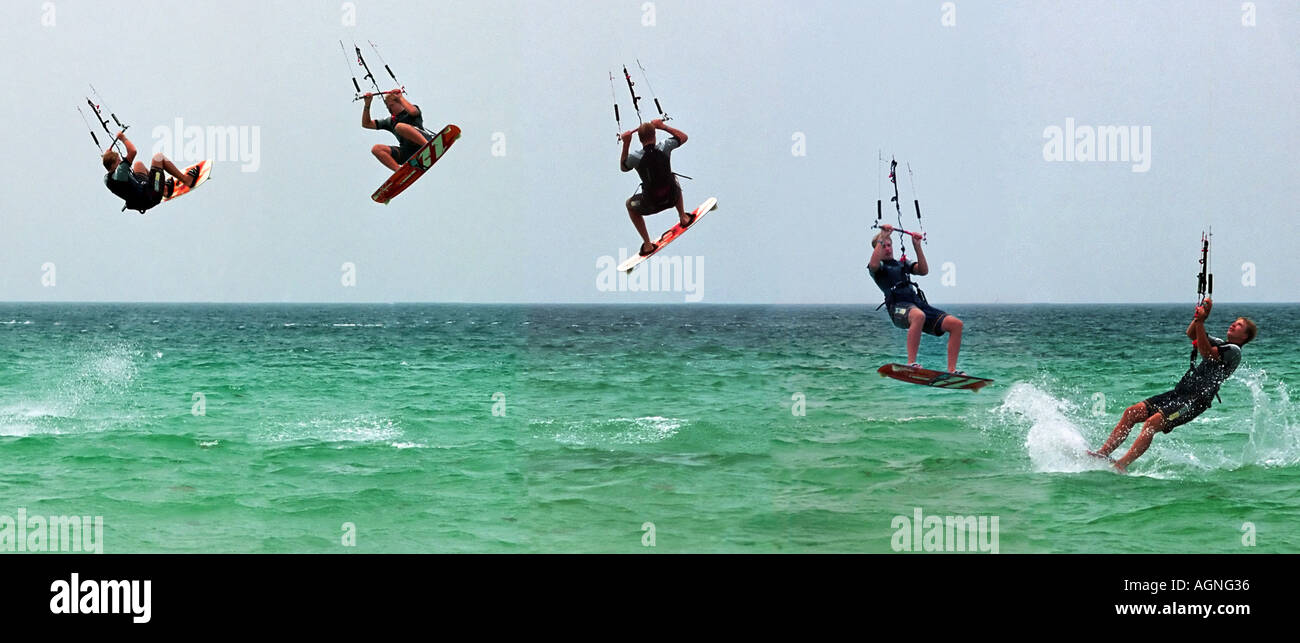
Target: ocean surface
637	429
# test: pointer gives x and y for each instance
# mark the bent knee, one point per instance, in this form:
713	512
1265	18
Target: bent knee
379	150
159	159
954	324
408	130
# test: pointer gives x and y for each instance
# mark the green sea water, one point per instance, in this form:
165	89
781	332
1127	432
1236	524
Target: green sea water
638	429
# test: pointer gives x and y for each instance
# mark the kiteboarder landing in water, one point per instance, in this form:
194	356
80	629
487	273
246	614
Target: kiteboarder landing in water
659	188
1192	395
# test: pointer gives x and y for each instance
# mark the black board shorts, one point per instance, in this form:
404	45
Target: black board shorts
145	196
933	316
401	154
1178	408
642	205
406	150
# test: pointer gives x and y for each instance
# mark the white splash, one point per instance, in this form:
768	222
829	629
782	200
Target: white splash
1273	437
1054	442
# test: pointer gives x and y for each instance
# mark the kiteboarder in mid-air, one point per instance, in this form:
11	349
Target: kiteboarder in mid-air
906	302
417	149
405	121
142	188
659	187
1192	395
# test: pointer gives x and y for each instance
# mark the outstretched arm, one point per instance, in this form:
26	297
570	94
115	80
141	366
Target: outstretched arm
672	131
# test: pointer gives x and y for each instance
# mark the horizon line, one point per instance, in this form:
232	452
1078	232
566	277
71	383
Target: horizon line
581	303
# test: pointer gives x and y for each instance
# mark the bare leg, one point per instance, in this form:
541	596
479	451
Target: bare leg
411	134
139	168
385	156
1132	415
681	208
953	327
165	163
639	222
1149	430
915	320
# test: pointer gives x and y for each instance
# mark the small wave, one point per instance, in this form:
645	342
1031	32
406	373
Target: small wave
613	431
29	412
889	419
25	420
364	428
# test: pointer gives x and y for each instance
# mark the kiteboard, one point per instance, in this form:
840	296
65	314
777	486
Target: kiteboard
937	379
668	236
180	189
417	165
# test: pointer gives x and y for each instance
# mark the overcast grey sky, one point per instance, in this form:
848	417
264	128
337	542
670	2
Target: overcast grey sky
965	95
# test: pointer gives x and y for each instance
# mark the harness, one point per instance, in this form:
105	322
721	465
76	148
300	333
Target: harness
656	172
1191	368
905	284
158	184
405	118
